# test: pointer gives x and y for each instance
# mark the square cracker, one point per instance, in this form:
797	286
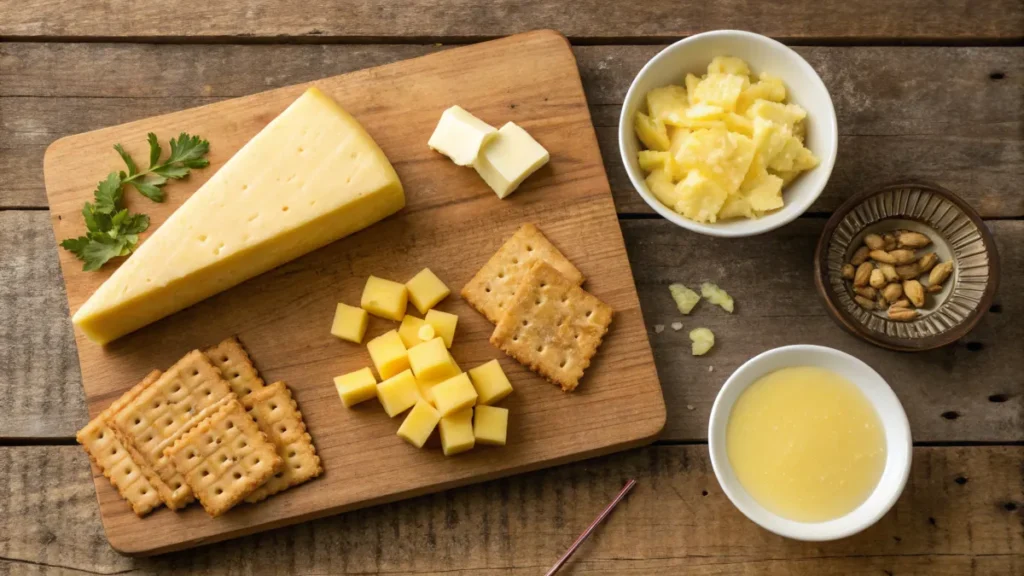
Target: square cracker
552	326
181	398
134	480
278	416
225	457
235	366
491	290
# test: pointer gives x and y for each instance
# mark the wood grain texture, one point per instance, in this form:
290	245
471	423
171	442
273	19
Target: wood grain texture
931	112
452	222
960	514
966	392
602	20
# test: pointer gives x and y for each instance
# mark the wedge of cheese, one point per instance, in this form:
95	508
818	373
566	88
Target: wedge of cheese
310	177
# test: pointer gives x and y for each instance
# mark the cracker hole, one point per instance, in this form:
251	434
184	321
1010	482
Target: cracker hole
247	391
205	473
216	441
101	436
176	485
487	289
223	458
515	260
529	248
113	451
562	364
539	301
291	454
515	338
137	421
195	372
501	274
543	284
127	469
273	406
237	475
143	491
590	313
231	424
279	475
236	375
218	491
176	387
526	322
540	349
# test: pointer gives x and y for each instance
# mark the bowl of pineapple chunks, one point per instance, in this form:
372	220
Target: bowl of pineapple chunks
728	133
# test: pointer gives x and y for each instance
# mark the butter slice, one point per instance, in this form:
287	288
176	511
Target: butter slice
509	159
460	136
311	176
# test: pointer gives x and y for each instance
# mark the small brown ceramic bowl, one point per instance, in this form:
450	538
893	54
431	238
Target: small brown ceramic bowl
957	234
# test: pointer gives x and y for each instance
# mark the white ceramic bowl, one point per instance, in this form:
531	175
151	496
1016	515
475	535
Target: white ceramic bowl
881	396
803	86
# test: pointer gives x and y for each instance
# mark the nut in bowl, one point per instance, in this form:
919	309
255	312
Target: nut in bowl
728	133
908	267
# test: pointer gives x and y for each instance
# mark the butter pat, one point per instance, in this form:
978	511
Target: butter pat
349	323
457	432
388	354
443	324
398	393
426	290
356	387
460	136
384	298
310	177
509	158
490	425
431	361
454	394
418	425
490	382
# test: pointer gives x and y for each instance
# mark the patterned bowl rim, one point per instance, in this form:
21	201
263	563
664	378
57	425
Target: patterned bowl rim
854	326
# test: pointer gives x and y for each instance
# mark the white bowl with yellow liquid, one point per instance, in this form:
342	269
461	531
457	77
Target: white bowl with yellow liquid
891	428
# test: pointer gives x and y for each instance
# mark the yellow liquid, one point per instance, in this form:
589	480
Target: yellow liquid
806	444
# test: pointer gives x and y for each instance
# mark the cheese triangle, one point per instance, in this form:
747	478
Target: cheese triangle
311	176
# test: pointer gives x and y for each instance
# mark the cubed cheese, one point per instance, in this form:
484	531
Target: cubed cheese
419	424
426	290
310	177
431	361
490	425
509	158
490	382
356	387
460	136
457	432
444	325
385	298
349	323
398	393
454	394
426	388
388	354
409	331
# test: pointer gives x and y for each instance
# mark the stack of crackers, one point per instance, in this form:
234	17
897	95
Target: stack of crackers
543	319
207	428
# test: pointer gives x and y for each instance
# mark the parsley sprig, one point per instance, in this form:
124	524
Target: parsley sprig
112	230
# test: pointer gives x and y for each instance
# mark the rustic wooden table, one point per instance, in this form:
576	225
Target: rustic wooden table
927	89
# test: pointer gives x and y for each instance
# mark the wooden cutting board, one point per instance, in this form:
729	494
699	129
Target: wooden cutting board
452	223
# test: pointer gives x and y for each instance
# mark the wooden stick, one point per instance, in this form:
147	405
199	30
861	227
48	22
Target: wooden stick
586	533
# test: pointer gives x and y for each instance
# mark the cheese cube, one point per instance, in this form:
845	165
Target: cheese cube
426	388
356	387
388	354
426	290
398	393
490	382
384	298
349	323
458	370
409	330
454	394
444	325
457	432
490	425
431	361
460	136
426	332
419	424
509	158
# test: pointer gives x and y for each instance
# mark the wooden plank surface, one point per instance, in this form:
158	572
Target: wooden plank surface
960	514
595	20
967	392
900	112
452	222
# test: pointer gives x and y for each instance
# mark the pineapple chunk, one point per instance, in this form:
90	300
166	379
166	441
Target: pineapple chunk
691	88
667	102
788	114
793	157
721	154
701	197
650	160
736	123
660	183
712	293
762	190
704	112
703	340
685	298
767	88
728	65
787	176
677	137
722	90
736	206
770	138
651	131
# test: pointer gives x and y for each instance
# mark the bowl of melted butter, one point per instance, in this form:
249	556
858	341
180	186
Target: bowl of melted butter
810	442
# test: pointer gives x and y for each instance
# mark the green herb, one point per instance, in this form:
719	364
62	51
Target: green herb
112	230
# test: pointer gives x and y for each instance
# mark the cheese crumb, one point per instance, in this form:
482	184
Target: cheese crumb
677	326
659	328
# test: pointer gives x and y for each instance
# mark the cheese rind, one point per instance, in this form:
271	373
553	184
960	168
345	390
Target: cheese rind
311	176
509	159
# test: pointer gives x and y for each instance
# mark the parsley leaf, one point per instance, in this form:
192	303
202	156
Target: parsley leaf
113	231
